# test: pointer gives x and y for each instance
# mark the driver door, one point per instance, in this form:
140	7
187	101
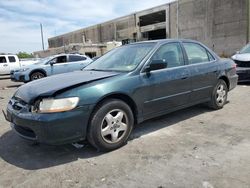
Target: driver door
170	86
59	65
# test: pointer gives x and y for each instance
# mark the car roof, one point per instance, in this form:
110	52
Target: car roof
166	40
57	55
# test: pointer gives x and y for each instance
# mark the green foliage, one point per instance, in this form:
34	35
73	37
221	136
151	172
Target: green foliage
23	55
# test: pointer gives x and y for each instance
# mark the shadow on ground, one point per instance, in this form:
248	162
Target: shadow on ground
14	86
26	155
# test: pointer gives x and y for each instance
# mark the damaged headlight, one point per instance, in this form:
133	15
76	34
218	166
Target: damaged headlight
51	105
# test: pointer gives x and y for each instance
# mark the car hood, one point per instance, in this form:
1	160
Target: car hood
29	66
50	85
241	57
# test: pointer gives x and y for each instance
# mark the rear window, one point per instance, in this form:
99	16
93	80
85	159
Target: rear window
196	53
12	59
3	59
73	58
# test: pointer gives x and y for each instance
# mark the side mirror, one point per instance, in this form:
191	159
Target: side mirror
52	63
156	65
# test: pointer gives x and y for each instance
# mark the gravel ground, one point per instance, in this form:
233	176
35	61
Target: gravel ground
195	147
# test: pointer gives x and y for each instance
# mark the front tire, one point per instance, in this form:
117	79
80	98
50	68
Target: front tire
110	125
219	96
36	75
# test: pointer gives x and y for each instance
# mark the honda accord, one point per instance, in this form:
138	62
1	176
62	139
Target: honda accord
126	86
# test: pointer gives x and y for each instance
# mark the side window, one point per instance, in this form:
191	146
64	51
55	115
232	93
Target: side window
171	54
73	58
53	61
196	53
12	59
3	59
61	59
211	58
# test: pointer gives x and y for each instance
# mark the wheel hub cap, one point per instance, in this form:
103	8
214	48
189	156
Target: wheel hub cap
221	94
114	126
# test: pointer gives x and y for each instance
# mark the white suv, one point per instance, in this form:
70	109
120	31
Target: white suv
8	62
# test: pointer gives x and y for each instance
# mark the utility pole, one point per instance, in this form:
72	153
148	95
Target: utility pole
41	26
177	19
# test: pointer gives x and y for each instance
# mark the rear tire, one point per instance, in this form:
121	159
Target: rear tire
110	125
37	75
219	96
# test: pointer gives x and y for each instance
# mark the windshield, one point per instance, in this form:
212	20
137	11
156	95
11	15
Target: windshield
246	49
44	60
124	59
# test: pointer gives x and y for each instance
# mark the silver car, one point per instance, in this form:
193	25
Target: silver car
49	66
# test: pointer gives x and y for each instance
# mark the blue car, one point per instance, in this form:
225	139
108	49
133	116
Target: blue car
49	66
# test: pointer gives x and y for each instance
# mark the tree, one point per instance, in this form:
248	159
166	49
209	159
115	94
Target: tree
23	55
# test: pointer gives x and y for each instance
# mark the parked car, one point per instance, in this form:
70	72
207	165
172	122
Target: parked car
126	86
242	59
10	62
49	66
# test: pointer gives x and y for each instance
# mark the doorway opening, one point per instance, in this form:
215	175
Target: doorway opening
155	34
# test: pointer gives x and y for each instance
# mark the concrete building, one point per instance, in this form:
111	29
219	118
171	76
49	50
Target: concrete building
223	25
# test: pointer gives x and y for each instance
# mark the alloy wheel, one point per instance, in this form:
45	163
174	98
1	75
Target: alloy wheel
221	94
114	126
37	76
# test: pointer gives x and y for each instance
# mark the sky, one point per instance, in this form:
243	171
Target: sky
20	19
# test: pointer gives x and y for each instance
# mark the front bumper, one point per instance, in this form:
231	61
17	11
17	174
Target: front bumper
53	128
18	77
244	74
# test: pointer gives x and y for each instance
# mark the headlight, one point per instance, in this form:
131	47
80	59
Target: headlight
22	70
51	105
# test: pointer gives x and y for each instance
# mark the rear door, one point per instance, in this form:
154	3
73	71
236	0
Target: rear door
77	62
203	70
171	86
4	65
13	62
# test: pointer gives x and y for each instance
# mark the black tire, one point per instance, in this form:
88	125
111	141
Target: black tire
217	102
100	122
37	75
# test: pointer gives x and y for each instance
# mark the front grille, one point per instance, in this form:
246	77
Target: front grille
242	63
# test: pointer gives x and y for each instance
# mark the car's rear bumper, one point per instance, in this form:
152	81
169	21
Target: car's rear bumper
244	74
233	80
53	128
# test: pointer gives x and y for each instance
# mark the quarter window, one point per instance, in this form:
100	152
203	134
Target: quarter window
3	59
12	59
196	53
171	54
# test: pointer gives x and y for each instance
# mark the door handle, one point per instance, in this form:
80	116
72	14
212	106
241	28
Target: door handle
184	77
5	65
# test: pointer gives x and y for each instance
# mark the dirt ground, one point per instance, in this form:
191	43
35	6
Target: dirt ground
195	147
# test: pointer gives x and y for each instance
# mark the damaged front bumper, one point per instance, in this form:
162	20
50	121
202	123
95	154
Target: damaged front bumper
50	128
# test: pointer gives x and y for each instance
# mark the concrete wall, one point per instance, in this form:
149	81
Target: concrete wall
220	24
